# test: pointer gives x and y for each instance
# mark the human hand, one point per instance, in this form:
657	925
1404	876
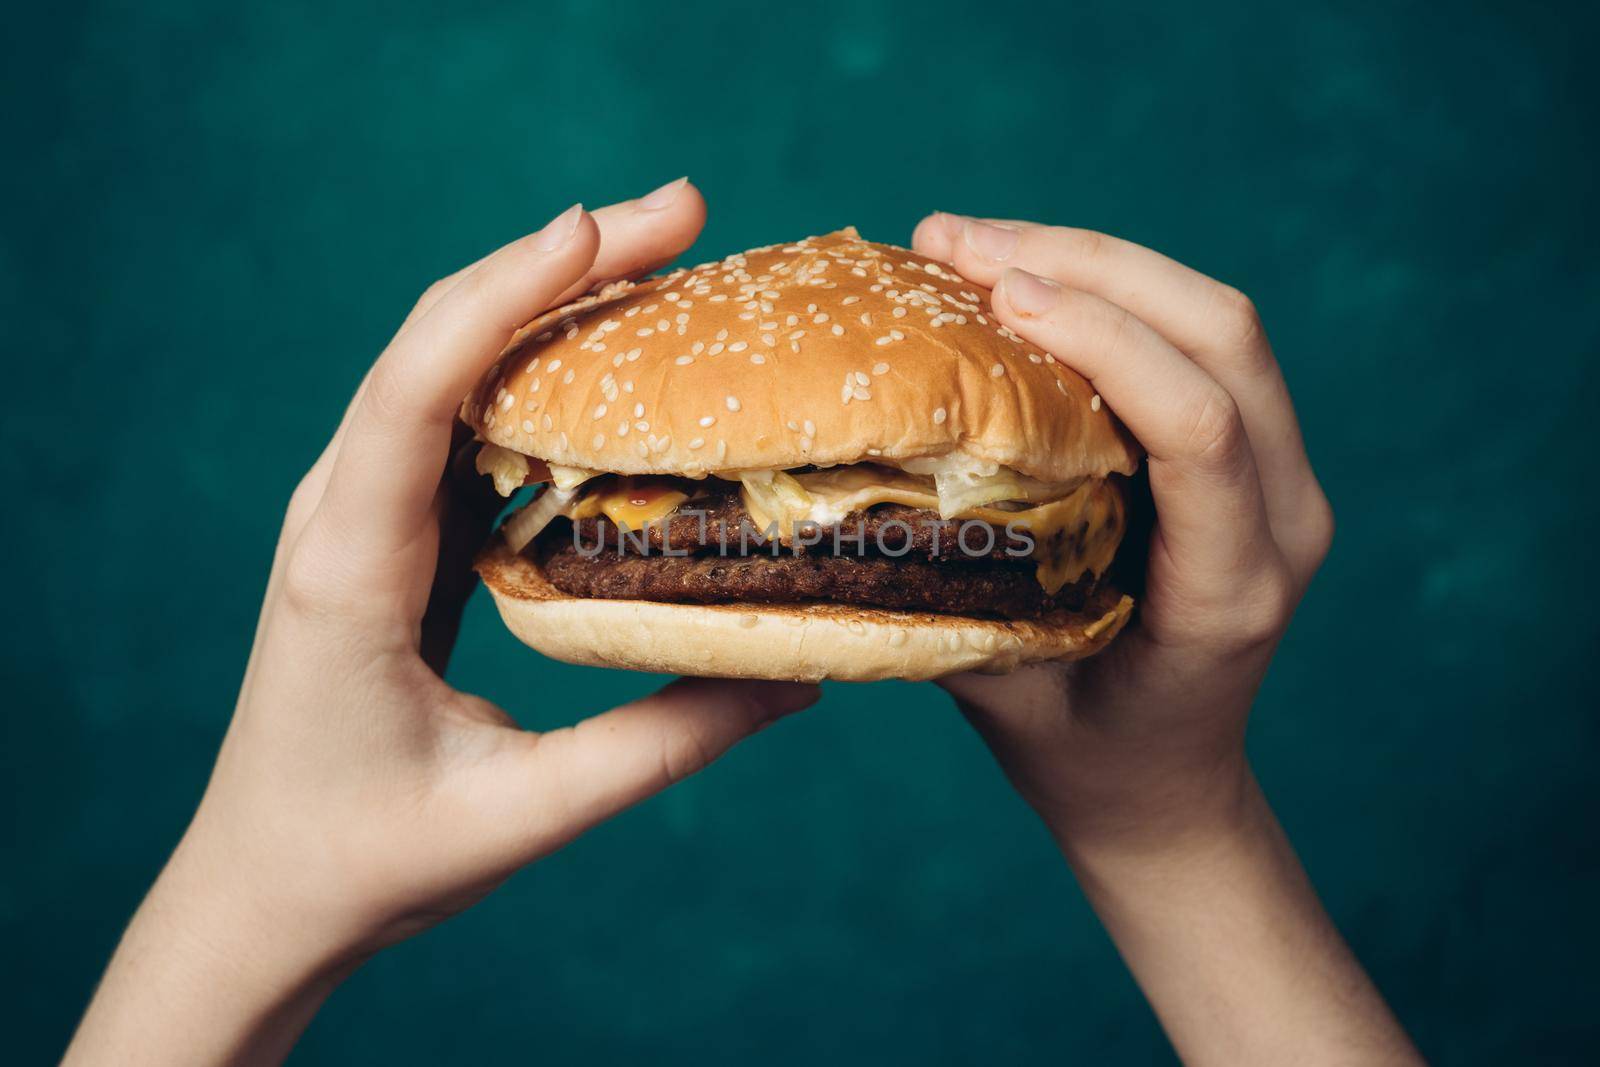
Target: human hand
1147	738
1135	758
358	798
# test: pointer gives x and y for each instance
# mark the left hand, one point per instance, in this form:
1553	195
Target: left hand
358	798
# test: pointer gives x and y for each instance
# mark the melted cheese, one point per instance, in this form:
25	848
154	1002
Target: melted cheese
632	503
1071	534
1075	532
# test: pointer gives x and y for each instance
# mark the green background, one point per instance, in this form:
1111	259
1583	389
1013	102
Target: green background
214	216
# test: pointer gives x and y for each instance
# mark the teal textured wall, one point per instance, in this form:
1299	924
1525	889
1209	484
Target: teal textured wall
215	214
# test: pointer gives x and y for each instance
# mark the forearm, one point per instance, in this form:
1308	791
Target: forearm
203	976
1226	937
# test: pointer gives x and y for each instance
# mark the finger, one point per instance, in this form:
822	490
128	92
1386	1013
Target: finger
395	445
1214	324
636	237
643	235
590	772
1209	507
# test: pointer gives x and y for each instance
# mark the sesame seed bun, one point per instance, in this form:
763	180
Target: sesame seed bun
811	642
831	350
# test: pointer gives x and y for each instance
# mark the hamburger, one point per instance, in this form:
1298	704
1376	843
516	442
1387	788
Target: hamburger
817	460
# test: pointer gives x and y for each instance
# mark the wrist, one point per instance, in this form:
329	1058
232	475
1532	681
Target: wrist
206	972
1157	810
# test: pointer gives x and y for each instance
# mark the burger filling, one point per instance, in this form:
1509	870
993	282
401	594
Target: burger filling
945	536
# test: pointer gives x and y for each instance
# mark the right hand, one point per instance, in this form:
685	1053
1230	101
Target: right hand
1147	737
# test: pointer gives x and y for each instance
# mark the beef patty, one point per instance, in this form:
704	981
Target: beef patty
959	587
716	516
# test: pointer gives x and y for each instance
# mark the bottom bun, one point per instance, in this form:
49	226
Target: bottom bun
785	642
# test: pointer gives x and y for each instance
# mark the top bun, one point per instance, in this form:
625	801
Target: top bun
830	350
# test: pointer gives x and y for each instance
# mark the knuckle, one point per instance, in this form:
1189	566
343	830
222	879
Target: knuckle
1240	319
433	292
1088	245
311	582
384	397
1216	437
305	589
1319	528
1265	610
303	500
686	753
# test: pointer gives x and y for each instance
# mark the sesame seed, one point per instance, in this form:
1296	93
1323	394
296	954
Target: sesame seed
879	368
838	331
547	421
851	300
622	428
644	331
860	393
861	379
757	358
939	415
737	346
716	349
885	339
811	428
555	365
1061	387
638	411
897	335
1094	402
684	361
599	412
566	379
599	440
707	420
733	403
899	313
997	370
527	425
697	442
506	401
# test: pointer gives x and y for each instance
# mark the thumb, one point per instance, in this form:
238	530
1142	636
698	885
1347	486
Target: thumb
1026	707
585	774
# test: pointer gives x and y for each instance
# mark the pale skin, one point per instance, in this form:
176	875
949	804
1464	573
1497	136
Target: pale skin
358	799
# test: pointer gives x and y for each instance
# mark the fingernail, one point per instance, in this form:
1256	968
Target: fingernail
664	196
1029	293
951	222
991	241
559	230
